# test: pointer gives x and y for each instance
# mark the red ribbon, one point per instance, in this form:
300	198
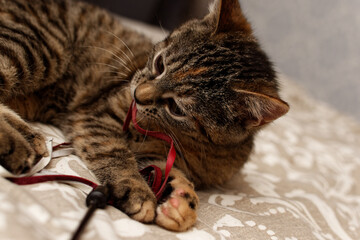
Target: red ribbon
46	178
157	187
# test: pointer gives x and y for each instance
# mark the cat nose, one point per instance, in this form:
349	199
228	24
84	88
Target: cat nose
145	94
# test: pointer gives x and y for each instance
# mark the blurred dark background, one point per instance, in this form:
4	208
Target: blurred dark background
165	13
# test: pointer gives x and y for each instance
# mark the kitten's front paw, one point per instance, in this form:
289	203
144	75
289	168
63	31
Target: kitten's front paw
135	198
20	145
178	212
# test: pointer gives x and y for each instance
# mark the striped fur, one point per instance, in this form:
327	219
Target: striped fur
208	85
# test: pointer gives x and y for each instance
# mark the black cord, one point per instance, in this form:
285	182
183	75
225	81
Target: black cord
97	198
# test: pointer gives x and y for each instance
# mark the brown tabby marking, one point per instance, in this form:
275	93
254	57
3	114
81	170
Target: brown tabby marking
208	85
190	73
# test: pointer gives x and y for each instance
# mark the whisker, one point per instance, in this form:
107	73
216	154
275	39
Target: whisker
178	144
133	67
117	37
145	136
137	72
142	143
117	80
118	49
115	72
162	29
120	60
173	136
105	64
141	119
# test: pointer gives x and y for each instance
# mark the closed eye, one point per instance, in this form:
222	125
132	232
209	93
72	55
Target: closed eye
159	66
173	108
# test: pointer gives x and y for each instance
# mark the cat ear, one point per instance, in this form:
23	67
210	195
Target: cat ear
262	109
230	18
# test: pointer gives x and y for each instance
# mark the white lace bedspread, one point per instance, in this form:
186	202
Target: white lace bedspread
302	182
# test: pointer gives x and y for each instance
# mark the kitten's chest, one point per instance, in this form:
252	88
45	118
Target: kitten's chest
213	165
146	148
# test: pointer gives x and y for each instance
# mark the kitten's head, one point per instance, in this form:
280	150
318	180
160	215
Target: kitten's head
210	80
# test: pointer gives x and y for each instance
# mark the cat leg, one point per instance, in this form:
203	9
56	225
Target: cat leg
178	210
130	193
100	142
20	145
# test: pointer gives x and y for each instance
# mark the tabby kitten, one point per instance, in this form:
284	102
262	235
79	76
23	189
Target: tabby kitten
208	85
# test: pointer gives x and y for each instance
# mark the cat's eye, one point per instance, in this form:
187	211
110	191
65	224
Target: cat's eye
173	108
159	65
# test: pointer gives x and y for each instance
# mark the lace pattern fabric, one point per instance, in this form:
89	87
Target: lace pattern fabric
302	182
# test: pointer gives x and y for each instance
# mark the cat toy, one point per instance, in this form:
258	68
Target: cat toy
157	187
99	196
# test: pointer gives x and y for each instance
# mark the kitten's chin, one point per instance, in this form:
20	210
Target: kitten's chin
145	118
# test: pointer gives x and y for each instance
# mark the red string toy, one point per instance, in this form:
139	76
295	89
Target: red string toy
158	185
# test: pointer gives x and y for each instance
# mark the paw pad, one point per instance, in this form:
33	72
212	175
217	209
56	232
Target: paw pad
178	212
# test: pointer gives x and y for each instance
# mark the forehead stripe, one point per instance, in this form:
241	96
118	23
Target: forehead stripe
191	72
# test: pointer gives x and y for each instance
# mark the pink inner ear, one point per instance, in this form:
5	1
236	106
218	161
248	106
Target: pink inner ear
273	109
231	18
262	108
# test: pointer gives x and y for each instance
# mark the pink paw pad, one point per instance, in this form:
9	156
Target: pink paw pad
165	211
174	202
180	192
